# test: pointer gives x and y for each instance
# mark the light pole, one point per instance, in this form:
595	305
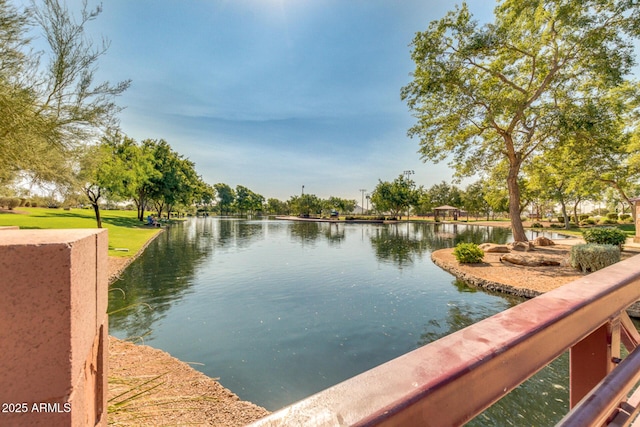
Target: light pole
303	190
368	197
408	174
362	190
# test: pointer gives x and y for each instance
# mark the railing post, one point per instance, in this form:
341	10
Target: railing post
53	328
591	359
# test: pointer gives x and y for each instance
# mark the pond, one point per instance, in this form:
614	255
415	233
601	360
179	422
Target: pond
279	310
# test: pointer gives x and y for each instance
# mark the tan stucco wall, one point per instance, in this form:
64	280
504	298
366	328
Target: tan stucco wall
53	327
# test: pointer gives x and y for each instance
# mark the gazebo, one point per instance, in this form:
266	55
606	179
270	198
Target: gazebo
447	210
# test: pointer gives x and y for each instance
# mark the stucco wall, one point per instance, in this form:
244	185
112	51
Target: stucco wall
53	327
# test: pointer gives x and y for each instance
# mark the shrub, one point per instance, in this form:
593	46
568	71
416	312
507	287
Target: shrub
608	221
624	217
592	257
605	236
588	221
612	215
13	202
537	225
561	219
582	217
468	253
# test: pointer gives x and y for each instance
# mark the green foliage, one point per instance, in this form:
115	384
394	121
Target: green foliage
612	215
394	197
625	217
468	253
605	236
607	221
593	257
583	217
492	94
588	221
10	202
51	102
537	225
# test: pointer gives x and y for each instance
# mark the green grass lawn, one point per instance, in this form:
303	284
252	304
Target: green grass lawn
125	231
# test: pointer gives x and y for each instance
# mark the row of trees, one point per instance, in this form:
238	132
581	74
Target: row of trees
151	174
542	91
488	198
242	200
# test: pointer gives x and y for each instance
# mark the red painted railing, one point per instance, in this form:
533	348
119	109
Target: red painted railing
450	381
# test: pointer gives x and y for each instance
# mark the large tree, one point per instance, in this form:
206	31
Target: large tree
490	94
395	197
49	100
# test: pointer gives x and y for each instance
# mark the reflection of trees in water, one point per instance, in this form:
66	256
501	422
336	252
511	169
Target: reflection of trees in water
334	233
162	275
309	232
449	235
238	232
398	244
461	315
401	243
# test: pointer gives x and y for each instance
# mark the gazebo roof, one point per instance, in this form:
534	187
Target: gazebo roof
446	208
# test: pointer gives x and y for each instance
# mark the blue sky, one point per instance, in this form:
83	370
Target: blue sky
274	94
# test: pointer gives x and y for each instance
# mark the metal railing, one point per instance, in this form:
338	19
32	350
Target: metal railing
451	380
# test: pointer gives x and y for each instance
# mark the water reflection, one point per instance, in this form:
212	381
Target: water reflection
280	310
138	299
460	315
399	244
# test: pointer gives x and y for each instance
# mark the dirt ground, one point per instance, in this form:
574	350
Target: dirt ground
148	387
516	279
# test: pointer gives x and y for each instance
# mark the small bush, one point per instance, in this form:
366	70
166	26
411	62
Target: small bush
583	217
468	253
537	225
588	221
605	236
608	221
14	202
612	215
556	225
561	219
593	257
624	217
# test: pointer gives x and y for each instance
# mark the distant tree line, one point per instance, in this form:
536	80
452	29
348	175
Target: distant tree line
243	201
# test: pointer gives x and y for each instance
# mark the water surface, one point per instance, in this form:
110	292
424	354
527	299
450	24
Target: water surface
279	310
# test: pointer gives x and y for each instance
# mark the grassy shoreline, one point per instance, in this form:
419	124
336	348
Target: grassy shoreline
127	235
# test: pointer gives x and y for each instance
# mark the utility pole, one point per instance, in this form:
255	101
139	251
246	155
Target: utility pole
362	190
407	175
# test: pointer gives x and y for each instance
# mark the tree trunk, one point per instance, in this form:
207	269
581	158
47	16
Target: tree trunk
93	193
575	211
96	210
564	213
514	203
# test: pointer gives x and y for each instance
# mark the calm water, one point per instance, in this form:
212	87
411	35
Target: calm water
279	310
